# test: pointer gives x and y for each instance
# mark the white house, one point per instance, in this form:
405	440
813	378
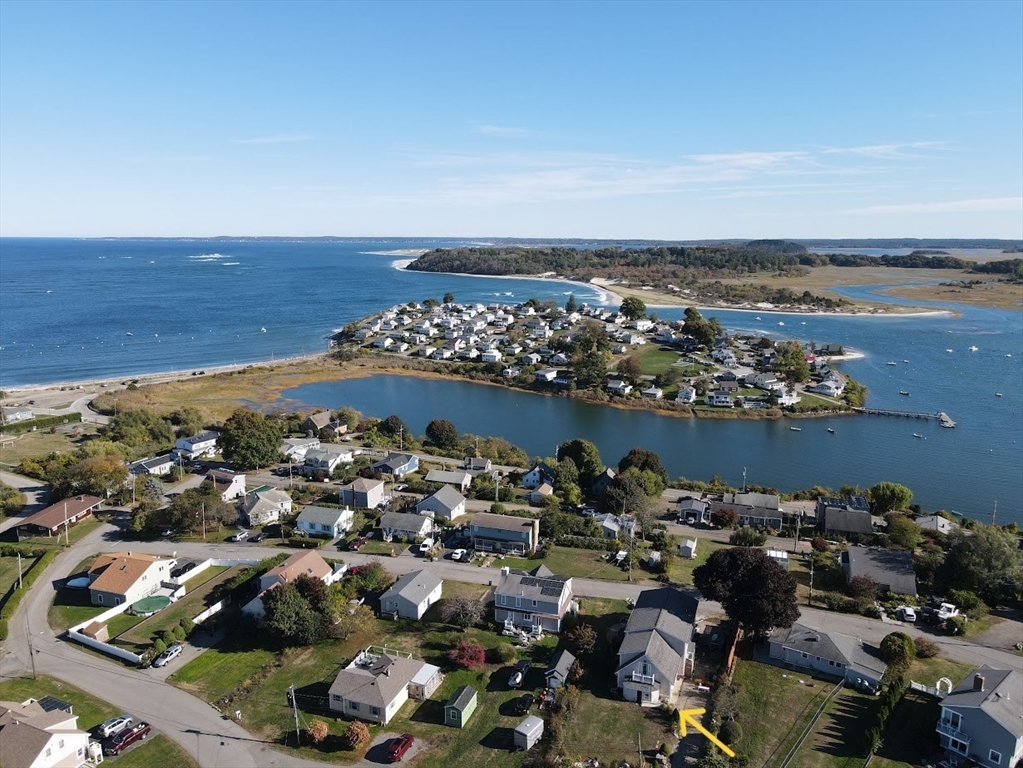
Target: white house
326	458
399	524
653	393
197	446
719	399
537	476
491	356
828	387
266	506
658	649
546	375
445	502
362	493
618	387
295	448
459	478
535	602
686	395
375	685
126	577
412	595
324	521
230	485
36	736
159	465
537	495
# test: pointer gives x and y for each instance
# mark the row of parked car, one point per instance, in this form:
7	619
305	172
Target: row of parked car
119	733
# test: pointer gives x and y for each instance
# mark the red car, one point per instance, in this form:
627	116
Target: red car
124	739
399	747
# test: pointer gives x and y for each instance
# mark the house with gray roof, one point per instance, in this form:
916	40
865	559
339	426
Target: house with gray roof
892	569
41	733
445	502
852	524
264	506
324	521
412	595
397	464
363	493
828	653
403	525
982	718
375	685
535	602
659	647
504	533
758	510
459	478
157	466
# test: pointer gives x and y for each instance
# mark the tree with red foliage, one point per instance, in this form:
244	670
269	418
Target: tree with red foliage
468	655
724	518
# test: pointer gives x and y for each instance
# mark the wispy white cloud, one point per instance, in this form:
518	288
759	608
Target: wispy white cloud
280	138
887	151
979	205
501	130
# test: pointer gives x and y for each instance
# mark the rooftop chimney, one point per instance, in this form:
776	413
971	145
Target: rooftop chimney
978	682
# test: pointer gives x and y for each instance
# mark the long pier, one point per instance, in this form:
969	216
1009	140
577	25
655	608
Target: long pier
942	417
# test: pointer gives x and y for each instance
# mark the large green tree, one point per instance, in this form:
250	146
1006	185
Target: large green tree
250	440
977	559
887	496
141	428
633	307
643	459
443	434
590	368
902	532
586	458
290	618
752	588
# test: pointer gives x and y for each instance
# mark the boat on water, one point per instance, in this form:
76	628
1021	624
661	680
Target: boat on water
757	317
949	351
892	362
129	333
831	430
780	323
796	429
904	392
262	330
905	361
917	434
974	349
998	394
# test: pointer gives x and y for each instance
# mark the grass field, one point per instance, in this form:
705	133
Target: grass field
9	573
655	358
837	738
578	563
157	750
33	444
763	688
682	569
77	532
192	603
71	607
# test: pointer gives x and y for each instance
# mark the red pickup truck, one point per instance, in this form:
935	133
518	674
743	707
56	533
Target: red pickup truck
399	747
124	739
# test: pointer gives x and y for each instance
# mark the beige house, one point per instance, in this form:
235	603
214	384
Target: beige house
300	564
124	577
379	681
41	734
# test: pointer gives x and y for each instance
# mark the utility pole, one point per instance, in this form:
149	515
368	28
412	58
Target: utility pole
291	473
809	599
401	438
204	521
639	737
294	707
19	571
31	650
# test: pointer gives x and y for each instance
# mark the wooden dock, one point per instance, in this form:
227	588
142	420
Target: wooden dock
943	418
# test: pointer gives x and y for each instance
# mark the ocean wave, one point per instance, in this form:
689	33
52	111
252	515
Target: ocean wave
401	263
208	257
230	263
398	252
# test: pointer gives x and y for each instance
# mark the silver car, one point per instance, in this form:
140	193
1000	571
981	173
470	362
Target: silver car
167	656
114	725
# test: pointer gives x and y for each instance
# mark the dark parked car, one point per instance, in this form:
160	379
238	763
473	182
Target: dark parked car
518	675
356	544
399	746
258	538
523	704
181	570
124	739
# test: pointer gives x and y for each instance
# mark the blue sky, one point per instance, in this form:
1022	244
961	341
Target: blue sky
598	120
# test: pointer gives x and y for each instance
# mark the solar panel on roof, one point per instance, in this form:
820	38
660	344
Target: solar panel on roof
51	704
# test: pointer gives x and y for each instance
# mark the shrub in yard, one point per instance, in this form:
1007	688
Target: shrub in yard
318	731
730	732
956	625
582	639
179	633
188	626
159	646
355	735
504	653
819	544
925	647
968	603
871	611
468	655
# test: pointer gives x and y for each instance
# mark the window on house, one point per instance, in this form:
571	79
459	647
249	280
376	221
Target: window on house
954	719
534	603
957	746
48	750
99	599
995	757
527	617
353	705
61	743
518	602
375	711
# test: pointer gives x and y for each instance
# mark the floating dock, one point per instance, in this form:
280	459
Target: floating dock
942	418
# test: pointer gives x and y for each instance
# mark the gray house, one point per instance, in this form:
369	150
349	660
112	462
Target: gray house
445	502
504	533
659	647
892	569
534	602
362	493
400	524
980	719
324	521
828	653
759	510
412	595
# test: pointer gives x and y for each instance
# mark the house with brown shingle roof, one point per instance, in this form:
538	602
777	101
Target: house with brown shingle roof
379	681
307	563
124	577
41	733
54	517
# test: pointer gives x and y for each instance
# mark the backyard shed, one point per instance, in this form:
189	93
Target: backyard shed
528	732
687	549
460	707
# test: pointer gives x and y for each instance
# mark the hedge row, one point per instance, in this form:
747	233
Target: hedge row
14	595
17	427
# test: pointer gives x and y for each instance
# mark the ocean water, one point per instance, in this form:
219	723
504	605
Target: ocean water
67	305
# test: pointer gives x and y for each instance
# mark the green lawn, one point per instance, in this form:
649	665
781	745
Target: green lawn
192	603
929	671
76	532
579	563
773	709
383	548
9	573
257	681
910	735
655	358
837	739
71	607
158	750
682	569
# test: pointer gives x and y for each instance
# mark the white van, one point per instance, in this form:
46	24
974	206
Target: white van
426	546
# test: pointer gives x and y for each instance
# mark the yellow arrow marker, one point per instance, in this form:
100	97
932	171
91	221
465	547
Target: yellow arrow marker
689	716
